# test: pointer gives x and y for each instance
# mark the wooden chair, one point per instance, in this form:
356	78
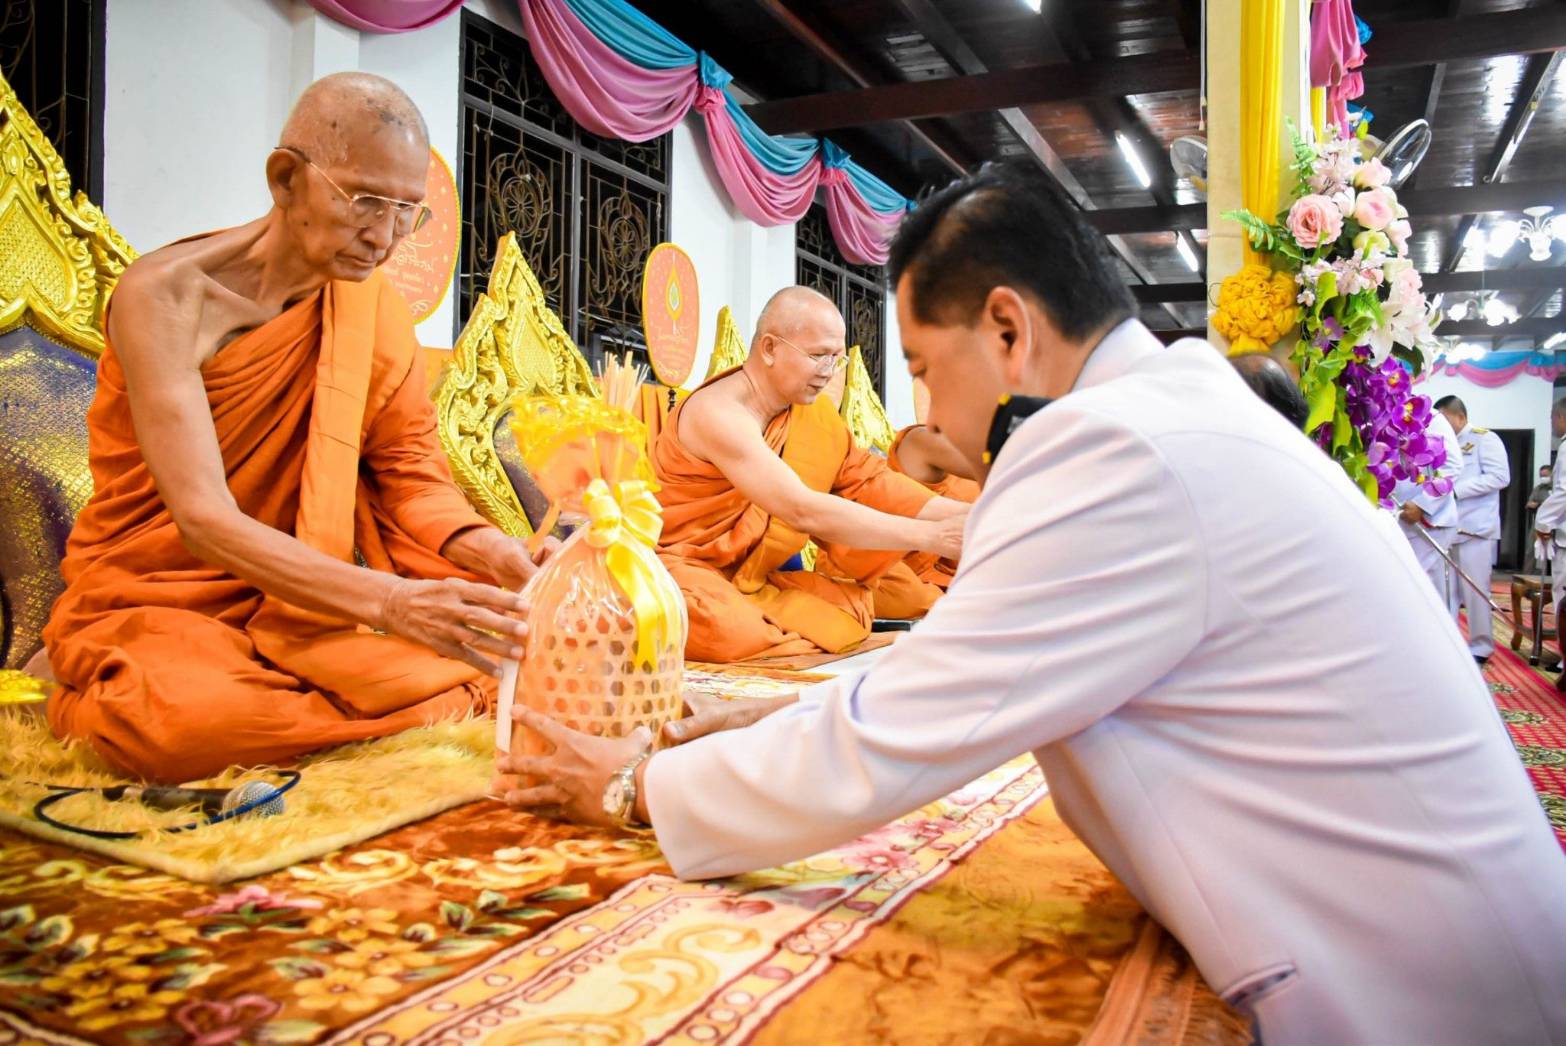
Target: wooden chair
1530	588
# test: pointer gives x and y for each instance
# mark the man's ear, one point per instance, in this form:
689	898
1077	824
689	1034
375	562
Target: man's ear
1006	314
284	174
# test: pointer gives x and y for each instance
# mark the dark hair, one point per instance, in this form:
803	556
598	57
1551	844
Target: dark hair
1560	407
1009	225
1272	383
1451	403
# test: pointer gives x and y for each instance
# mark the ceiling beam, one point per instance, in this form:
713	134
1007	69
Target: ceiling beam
1402	44
1121	221
1477	199
1398	44
855	71
1004	89
1530	93
1522	328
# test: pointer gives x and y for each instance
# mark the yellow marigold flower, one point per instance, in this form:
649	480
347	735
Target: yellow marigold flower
127	1004
354	924
150	938
1255	309
350	990
97	976
384	956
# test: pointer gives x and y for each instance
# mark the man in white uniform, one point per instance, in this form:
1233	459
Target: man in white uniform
1549	523
1429	521
1299	772
1485	473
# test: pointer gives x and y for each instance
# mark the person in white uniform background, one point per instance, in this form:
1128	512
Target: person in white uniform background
1549	525
1429	521
1477	488
1299	772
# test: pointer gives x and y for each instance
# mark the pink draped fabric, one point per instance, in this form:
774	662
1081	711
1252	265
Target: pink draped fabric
763	196
606	94
387	16
1335	56
862	234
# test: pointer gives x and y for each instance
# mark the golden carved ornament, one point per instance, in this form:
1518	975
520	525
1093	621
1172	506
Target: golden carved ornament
729	351
862	408
61	255
513	345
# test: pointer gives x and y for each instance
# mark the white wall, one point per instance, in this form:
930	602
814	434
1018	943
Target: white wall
1521	404
197	91
899	386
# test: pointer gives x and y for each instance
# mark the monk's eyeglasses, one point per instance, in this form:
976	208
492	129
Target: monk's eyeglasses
365	209
826	363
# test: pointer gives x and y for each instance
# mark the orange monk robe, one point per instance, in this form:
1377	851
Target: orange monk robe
172	669
927	566
725	551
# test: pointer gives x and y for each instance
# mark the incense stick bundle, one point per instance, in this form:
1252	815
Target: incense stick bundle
620	382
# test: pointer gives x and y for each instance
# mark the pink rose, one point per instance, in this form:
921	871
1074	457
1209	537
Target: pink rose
1375	209
1314	220
1372	174
1399	232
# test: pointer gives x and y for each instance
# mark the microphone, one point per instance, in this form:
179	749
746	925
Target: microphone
213	802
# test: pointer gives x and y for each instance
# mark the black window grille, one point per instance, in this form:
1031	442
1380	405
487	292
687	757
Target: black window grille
858	290
587	211
51	53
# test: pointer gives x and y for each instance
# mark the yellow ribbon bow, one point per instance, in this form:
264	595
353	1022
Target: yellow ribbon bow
625	521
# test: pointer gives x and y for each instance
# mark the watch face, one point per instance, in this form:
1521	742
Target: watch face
614	798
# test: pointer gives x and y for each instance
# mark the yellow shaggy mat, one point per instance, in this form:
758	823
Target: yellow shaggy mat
344	797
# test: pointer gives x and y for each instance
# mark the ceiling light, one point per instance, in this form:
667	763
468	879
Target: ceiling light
1474	239
1459	311
1540	231
1129	152
1467	350
1186	254
1503	236
1034	5
1555	339
1497	312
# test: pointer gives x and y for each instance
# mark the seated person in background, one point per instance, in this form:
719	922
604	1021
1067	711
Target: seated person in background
1274	384
921	453
753	464
260	424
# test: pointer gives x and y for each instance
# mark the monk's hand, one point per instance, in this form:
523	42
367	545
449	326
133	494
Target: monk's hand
710	715
946	536
573	777
491	553
462	620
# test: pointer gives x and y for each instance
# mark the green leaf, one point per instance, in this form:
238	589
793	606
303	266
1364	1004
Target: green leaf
19	975
421	932
1323	402
54	930
495	930
525	913
174	955
489	900
78	949
564	892
457	916
296	969
151	1034
284	1033
459	946
11	918
319	946
189	975
428	973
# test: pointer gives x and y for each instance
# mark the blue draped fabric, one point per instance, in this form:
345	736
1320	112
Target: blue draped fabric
633	35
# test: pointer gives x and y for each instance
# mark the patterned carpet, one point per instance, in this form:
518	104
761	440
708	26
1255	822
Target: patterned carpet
1535	714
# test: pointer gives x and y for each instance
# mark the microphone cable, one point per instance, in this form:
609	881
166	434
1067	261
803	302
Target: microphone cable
59	792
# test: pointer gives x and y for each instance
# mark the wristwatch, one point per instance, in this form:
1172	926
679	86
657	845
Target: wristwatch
620	793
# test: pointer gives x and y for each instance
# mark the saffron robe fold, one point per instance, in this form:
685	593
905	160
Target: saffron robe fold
927	566
725	552
173	669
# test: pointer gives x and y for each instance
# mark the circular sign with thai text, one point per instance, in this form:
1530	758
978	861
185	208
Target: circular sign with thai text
671	313
422	265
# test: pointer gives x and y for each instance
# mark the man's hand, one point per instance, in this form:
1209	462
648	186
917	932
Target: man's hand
1411	513
707	715
491	553
946	536
575	774
459	619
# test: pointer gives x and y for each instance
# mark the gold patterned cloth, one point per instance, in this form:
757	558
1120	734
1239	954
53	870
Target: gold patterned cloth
975	919
45	391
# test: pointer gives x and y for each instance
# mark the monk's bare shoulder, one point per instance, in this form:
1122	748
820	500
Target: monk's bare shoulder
169	304
714	416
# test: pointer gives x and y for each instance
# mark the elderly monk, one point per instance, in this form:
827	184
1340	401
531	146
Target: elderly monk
755	462
260	426
923	454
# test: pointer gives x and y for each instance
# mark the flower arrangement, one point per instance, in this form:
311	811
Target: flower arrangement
1365	326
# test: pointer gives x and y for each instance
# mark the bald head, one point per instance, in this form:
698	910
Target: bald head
795	309
339	114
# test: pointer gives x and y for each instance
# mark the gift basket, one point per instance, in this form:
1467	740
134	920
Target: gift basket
606	621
